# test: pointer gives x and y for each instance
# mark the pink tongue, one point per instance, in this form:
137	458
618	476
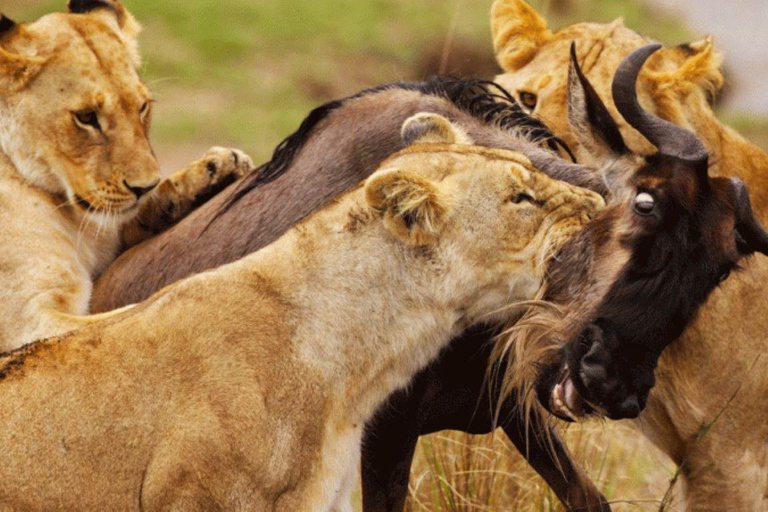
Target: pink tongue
571	395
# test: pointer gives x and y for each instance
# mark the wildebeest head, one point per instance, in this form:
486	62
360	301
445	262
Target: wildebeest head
629	283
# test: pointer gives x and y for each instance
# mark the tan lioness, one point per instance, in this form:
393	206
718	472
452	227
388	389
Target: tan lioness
708	410
247	387
78	179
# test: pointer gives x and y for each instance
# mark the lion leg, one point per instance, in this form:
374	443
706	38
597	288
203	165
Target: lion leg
343	502
192	474
183	191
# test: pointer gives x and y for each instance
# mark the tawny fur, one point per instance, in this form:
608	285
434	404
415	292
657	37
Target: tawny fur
716	371
66	204
247	387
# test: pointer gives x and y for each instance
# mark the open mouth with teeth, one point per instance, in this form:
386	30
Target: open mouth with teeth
566	402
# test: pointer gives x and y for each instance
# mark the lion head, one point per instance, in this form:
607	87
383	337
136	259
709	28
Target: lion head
535	61
486	210
74	114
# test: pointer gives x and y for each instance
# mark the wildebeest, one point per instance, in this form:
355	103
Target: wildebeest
628	246
707	411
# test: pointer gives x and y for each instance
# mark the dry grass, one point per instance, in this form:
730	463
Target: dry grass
462	473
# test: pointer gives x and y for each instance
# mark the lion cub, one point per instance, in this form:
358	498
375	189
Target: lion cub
247	387
78	179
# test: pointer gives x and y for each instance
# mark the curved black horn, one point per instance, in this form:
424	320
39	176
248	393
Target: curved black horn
747	225
670	139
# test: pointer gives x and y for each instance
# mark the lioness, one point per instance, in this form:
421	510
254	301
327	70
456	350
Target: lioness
248	387
78	178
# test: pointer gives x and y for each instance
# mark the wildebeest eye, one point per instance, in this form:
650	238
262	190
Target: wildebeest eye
522	196
644	203
88	118
528	99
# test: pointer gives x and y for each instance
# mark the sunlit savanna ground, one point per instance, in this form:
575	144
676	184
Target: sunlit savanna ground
245	72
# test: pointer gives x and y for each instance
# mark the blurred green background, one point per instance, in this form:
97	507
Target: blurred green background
245	72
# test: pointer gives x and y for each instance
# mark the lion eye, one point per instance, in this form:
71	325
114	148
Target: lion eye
144	108
644	203
522	197
88	118
528	99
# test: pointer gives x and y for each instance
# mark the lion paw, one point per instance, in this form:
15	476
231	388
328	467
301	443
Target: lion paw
224	165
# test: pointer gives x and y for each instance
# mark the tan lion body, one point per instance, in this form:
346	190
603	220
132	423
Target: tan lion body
78	179
708	410
247	387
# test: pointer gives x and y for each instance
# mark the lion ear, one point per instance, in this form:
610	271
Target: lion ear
6	24
518	33
427	127
17	70
88	6
113	9
699	68
413	208
125	20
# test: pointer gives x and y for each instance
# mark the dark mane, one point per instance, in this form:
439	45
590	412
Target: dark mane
482	99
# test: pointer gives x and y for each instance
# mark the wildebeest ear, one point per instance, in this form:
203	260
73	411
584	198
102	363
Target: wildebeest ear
427	127
590	120
413	208
751	235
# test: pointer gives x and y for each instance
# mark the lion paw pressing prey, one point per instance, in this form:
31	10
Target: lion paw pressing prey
180	193
79	182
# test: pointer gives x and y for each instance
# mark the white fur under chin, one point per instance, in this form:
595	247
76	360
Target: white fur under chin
111	221
26	158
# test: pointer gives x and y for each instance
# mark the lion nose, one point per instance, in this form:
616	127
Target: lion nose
140	191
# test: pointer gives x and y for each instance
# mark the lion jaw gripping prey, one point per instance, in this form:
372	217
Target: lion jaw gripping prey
248	387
